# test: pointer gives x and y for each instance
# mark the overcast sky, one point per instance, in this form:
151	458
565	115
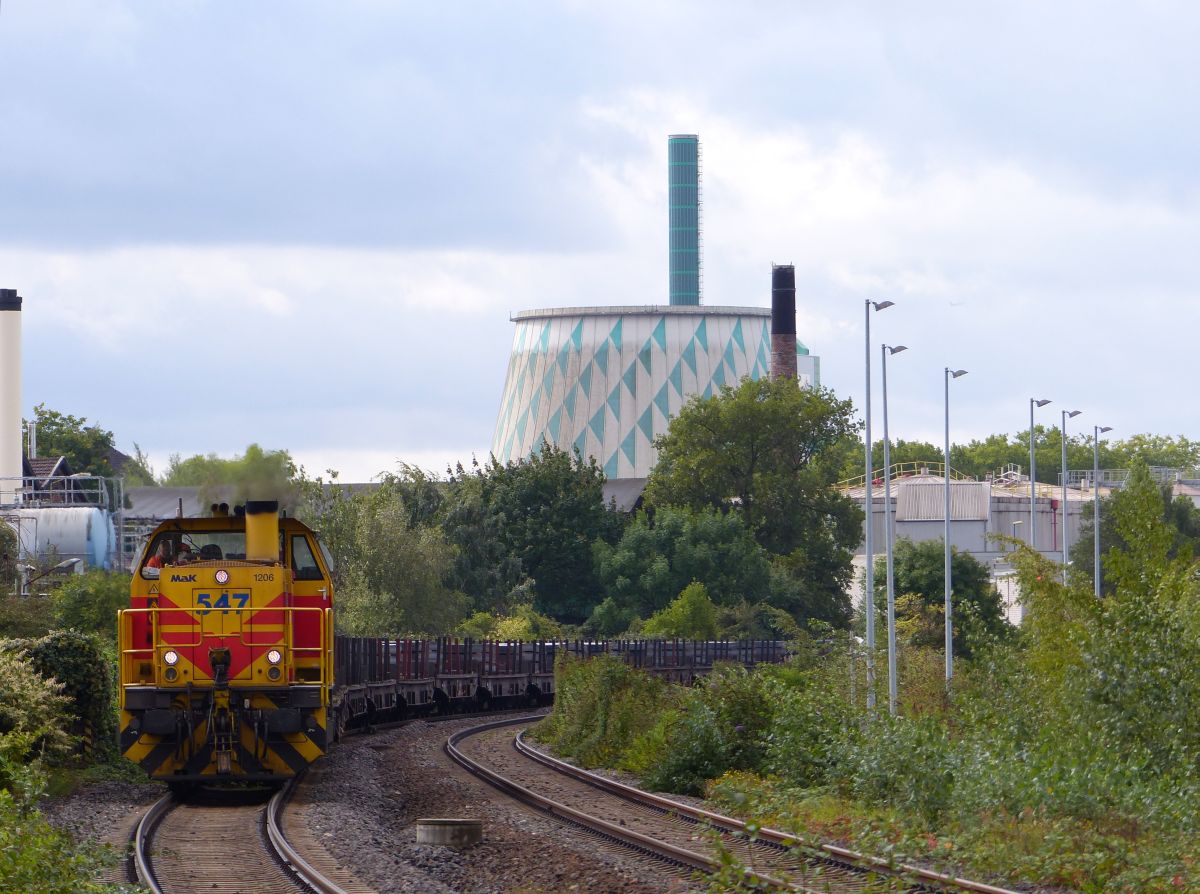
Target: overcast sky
305	224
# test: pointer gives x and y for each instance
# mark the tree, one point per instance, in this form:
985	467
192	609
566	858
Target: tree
394	575
659	554
1179	513
767	452
549	510
257	474
137	470
86	447
919	569
484	566
691	615
759	450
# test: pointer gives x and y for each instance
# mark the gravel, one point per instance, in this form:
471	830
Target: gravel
521	851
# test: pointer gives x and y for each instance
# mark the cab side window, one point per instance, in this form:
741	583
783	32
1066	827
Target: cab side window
304	564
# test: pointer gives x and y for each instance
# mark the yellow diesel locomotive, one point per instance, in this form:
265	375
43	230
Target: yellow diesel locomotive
226	651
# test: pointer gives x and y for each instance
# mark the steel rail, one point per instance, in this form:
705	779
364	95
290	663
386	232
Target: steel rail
301	868
905	871
626	836
143	832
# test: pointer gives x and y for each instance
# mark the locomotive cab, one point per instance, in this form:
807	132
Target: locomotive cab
226	653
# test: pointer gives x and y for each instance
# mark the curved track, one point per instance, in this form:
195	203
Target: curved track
678	832
225	847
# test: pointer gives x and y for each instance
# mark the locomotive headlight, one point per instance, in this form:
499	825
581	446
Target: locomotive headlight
274	656
170	657
273	673
171	674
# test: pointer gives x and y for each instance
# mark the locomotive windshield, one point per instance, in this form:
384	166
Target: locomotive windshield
182	547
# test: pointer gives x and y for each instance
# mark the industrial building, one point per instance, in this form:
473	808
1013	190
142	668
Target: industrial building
607	380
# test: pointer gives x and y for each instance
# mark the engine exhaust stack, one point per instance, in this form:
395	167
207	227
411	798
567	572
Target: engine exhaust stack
262	530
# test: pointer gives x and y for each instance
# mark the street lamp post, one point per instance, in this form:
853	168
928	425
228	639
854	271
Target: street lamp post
869	511
889	535
1033	402
947	376
1097	432
1066	414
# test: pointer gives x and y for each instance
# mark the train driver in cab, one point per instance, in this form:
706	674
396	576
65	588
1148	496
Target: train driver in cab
162	555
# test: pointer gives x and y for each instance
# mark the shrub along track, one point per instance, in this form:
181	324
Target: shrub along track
679	832
227	842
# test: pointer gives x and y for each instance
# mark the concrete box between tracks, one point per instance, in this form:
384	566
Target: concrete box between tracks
450	832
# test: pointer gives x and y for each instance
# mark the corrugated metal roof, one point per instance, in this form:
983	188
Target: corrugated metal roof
925	501
163	502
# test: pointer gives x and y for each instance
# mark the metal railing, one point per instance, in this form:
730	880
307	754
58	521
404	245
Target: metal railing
906	470
131	655
1112	478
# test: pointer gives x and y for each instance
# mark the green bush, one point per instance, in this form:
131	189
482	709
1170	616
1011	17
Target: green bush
601	705
90	602
907	764
35	858
78	661
33	715
813	731
718	726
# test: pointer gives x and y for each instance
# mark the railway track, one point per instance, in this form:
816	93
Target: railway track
679	833
230	845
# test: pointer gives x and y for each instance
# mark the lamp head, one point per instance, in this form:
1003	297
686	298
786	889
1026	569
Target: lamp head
1039	403
896	349
1071	414
883	305
1103	428
955	373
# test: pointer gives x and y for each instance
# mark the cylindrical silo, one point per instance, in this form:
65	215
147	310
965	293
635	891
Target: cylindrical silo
683	203
10	395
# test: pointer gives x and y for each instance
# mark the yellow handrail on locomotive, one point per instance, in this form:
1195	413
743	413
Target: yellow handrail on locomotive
130	656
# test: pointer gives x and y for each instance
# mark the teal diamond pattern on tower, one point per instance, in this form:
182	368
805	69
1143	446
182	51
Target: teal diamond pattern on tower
660	401
689	357
629	446
730	359
585	380
644	356
564	357
577	336
601	358
569	402
737	336
581	443
646	424
615	335
534	404
718	378
555	425
610	467
614	402
597	424
676	378
702	334
630	379
660	334
544	341
521	423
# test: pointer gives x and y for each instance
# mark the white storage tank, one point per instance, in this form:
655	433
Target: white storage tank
75	532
